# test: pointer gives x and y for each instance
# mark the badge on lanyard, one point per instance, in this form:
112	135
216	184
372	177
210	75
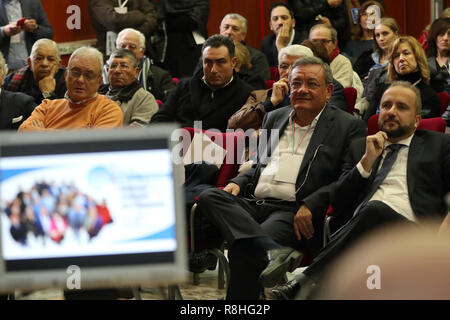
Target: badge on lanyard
288	167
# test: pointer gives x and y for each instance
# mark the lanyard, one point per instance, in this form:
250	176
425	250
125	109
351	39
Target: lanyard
294	151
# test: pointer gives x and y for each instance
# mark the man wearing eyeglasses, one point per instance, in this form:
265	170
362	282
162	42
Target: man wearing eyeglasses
152	78
81	107
43	77
137	104
341	67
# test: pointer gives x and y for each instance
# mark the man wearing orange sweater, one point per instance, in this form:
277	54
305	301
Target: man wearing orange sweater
81	107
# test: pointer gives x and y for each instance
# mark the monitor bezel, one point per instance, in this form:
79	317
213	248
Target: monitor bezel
105	276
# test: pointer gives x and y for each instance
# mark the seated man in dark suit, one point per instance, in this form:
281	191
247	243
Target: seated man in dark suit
399	174
292	178
234	25
282	24
212	95
15	107
43	78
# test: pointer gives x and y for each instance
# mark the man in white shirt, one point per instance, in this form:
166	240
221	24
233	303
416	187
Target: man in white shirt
255	213
399	174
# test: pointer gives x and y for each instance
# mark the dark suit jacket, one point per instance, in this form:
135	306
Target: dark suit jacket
428	175
15	108
31	9
269	48
323	159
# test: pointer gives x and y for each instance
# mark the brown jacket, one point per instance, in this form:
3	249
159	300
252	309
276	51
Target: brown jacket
251	113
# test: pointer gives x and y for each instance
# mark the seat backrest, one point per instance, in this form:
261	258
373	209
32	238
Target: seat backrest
350	98
269	84
435	124
234	144
274	75
444	101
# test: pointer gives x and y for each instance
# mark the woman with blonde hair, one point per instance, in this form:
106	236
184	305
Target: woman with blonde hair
408	62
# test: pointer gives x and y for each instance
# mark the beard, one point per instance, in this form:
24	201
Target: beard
399	131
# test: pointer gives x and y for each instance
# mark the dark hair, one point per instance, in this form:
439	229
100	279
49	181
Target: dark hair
438	27
363	8
217	41
280	4
318	50
124	53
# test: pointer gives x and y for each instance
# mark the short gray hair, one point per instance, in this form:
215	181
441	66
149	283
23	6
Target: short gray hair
410	86
88	51
295	50
333	31
140	36
314	61
42	42
240	18
3	65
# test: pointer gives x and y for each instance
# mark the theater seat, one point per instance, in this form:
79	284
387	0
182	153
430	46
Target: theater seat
444	101
269	84
350	98
234	144
274	75
434	124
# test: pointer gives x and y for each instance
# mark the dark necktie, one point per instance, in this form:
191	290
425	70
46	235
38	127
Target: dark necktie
389	159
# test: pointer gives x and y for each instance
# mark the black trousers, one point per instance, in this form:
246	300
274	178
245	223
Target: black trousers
237	218
373	215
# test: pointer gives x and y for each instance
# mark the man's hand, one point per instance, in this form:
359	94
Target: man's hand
283	37
334	3
303	223
30	25
374	147
232	188
279	90
10	30
48	83
325	20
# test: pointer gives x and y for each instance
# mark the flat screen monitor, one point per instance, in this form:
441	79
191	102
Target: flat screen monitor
90	209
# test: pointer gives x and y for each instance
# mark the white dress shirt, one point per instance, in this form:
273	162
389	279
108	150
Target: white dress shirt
267	186
393	191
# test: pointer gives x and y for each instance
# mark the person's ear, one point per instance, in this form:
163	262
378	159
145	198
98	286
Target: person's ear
233	62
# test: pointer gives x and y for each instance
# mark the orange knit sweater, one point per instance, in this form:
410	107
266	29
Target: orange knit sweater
99	112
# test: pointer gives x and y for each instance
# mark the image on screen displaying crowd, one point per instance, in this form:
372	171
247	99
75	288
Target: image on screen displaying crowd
49	213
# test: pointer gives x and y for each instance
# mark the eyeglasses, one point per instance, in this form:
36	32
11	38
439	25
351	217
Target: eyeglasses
88	75
323	41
